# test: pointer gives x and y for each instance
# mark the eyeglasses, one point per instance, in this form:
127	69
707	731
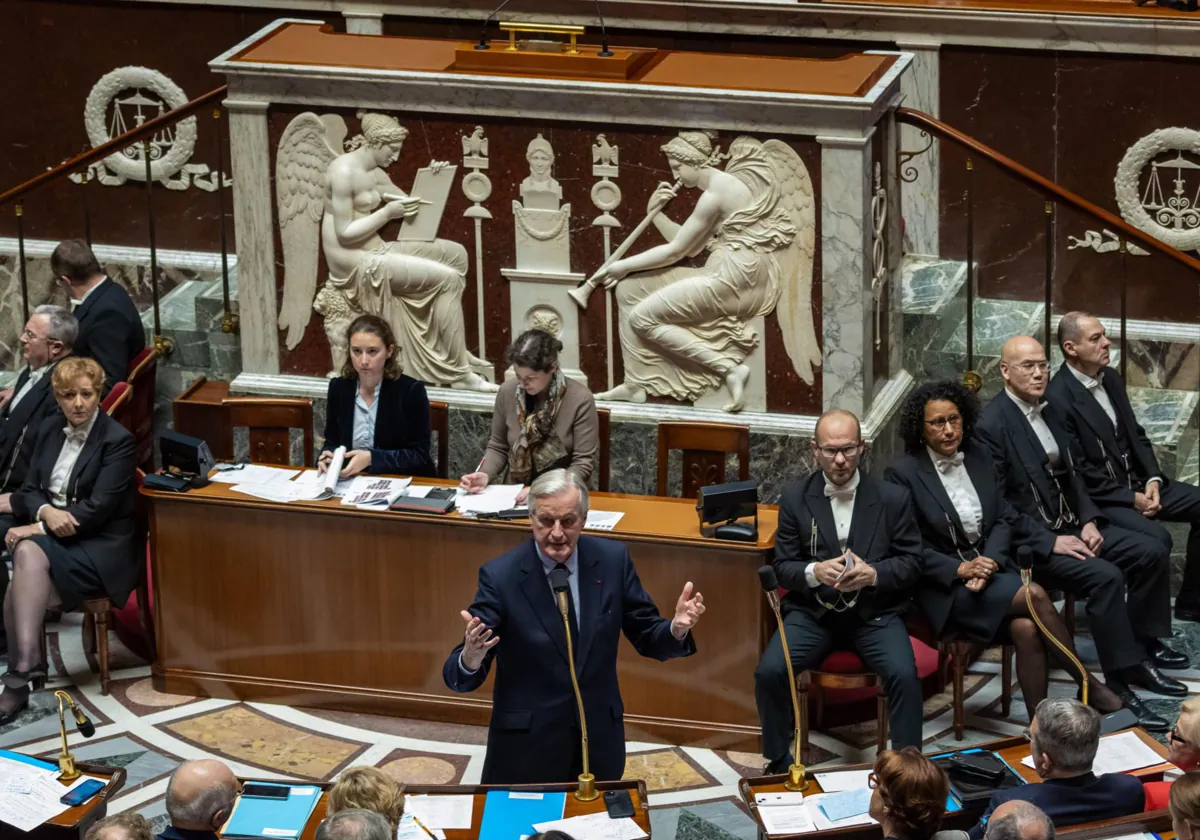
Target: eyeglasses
832	452
940	423
30	335
1027	734
872	781
1030	367
1174	735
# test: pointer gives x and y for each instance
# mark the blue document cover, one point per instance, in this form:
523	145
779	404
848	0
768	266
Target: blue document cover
273	819
510	815
30	760
845	804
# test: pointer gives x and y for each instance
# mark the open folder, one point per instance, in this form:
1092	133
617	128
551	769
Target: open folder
273	819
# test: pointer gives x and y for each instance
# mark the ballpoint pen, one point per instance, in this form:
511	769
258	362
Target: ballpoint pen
421	826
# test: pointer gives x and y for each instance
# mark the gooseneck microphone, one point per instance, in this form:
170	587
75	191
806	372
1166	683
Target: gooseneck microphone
605	52
1025	563
68	771
586	791
483	44
770	585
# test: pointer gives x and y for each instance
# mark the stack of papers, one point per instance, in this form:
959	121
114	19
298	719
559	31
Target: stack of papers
30	791
310	487
1119	753
442	811
492	499
597	826
372	492
602	520
846	804
823	822
272	819
255	474
784	813
842	780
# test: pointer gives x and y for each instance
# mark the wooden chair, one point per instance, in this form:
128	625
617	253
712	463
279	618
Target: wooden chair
842	669
704	447
604	433
97	612
142	374
439	422
119	405
270	420
956	653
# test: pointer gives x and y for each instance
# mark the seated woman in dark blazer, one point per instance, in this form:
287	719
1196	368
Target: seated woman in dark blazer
380	415
78	498
971	584
542	420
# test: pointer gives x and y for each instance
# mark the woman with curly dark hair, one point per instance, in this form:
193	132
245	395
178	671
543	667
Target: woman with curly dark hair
971	584
908	794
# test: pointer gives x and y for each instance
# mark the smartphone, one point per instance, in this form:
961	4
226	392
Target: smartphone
261	790
618	804
847	564
82	793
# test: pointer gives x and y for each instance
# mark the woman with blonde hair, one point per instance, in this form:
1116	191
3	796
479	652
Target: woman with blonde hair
368	788
1185	806
79	538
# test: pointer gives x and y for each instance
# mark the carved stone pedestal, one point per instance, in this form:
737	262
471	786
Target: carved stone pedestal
756	386
539	299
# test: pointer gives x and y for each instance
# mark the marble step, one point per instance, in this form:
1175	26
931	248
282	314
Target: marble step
190	315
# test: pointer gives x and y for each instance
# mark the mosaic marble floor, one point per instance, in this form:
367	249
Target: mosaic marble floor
692	791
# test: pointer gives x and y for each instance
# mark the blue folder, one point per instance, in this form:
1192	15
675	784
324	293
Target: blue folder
30	760
510	815
273	819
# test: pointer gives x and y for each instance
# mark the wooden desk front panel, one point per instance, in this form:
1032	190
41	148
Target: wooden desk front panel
312	605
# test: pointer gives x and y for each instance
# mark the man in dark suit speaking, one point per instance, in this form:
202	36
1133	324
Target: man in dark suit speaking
515	621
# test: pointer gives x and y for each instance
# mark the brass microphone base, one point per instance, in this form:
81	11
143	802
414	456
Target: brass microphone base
68	772
587	788
796	780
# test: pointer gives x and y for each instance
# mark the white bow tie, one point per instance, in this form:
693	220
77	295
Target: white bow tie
832	491
75	435
944	465
1032	411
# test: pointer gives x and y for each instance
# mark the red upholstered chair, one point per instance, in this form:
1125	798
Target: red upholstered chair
119	404
142	373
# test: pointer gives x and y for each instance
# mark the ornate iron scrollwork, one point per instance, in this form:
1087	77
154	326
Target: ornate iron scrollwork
909	173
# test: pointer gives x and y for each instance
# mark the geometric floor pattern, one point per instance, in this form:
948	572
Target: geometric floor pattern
693	792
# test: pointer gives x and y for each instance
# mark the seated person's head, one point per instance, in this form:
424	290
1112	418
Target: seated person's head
200	795
370	789
371	350
551	835
838	445
940	416
355	824
1019	820
127	826
1185	806
909	796
49	335
1183	742
1063	737
78	384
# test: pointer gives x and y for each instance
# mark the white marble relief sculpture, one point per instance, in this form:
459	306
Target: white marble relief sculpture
686	332
542	225
1104	242
340	203
128	97
606	196
1169	211
477	187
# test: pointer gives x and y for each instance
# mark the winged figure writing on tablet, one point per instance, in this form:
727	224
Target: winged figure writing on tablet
340	203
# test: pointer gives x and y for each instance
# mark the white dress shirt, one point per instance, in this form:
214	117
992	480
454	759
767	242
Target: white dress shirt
34	376
75	304
67	456
952	472
1096	389
841	502
364	419
1033	414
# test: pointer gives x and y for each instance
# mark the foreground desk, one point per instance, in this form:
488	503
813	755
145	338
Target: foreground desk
317	604
74	822
1011	750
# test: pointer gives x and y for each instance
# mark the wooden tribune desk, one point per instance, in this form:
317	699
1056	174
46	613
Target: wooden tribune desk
574	808
316	604
74	822
1011	750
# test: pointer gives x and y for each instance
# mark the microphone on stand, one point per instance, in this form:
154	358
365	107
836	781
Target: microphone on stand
605	52
483	44
587	782
770	585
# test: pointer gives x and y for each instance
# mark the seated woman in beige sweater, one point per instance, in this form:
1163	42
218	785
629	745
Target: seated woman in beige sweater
542	420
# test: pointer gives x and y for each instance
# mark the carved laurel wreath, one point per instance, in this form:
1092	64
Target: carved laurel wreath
95	117
1128	178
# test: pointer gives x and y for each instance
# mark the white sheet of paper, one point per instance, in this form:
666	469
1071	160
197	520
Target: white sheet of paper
256	474
1118	753
598	826
781	798
311	479
409	830
418	491
374	491
842	780
823	823
493	499
28	811
786	819
442	811
602	520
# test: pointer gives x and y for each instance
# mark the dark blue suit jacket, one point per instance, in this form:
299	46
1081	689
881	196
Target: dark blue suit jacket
1076	800
110	331
401	425
533	736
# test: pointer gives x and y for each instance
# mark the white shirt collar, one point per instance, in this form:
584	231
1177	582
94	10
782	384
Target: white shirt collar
849	487
88	293
86	428
1027	408
1088	382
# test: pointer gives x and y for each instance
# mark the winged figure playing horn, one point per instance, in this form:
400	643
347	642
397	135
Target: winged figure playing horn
683	329
340	203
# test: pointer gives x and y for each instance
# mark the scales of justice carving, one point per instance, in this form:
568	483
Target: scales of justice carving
696	333
340	203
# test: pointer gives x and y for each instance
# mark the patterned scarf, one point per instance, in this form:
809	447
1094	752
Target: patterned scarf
539	448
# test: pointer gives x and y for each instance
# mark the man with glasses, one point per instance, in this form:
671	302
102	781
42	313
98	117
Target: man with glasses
1075	548
1118	464
48	336
848	551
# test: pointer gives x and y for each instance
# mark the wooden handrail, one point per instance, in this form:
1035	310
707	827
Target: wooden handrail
146	129
1043	185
